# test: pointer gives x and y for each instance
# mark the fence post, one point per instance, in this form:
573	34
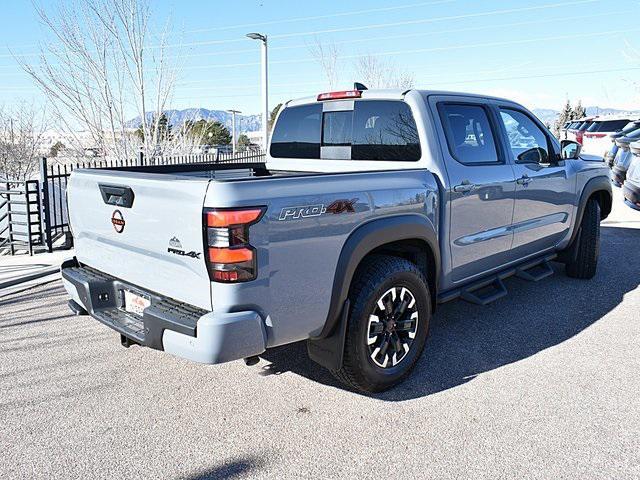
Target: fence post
44	198
27	198
140	158
9	220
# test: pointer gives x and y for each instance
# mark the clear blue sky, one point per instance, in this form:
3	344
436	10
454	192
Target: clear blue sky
528	50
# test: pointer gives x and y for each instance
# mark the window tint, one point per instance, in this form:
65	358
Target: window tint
336	128
297	132
384	130
469	133
527	141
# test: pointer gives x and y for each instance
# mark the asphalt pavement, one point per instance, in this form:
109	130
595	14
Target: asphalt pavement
543	384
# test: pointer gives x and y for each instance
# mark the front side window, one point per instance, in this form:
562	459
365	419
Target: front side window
297	132
469	133
528	142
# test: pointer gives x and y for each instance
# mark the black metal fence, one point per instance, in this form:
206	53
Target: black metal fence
21	228
54	177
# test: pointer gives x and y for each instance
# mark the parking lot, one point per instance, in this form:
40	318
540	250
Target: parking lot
541	384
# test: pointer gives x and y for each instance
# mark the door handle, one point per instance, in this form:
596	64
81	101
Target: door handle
524	180
118	195
464	187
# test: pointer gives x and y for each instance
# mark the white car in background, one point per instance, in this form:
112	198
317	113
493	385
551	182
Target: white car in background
596	140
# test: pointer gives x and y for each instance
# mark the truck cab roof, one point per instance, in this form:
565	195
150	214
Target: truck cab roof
396	94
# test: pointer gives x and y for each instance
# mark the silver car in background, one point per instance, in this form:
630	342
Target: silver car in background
623	158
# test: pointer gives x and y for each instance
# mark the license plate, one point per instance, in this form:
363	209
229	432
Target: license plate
134	303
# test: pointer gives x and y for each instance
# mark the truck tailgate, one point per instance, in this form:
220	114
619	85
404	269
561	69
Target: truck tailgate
156	243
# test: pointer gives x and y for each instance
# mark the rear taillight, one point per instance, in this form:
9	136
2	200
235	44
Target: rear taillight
230	256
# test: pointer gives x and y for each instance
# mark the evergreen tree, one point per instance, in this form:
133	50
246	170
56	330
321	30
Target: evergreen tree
243	142
272	116
208	133
579	111
566	115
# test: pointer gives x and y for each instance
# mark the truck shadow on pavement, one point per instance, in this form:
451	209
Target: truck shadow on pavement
466	340
233	469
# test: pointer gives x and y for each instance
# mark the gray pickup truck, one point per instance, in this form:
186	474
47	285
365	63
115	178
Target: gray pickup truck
372	208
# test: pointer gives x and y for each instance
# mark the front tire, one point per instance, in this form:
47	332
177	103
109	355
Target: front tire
387	326
588	244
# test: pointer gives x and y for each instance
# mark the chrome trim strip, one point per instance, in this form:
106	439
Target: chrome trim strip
523	226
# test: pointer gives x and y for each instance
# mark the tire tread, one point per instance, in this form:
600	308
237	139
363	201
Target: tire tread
586	262
371	274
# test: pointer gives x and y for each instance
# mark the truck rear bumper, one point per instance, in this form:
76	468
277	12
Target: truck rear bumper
177	328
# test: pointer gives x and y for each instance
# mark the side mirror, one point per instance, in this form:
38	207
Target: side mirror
533	155
570	150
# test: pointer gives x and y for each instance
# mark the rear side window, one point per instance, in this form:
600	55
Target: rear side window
297	132
469	133
384	130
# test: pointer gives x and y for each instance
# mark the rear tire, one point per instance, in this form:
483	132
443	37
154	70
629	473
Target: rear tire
387	326
588	244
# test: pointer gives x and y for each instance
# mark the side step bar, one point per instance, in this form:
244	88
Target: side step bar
535	272
492	288
479	296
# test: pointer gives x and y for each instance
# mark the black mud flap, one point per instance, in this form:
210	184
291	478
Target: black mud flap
570	254
329	351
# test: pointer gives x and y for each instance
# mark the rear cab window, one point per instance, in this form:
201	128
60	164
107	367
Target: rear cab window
297	132
382	130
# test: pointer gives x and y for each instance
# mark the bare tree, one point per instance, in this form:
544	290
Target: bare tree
101	68
21	133
327	56
377	73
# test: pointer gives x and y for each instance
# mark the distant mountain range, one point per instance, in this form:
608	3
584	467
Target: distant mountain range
244	123
549	116
252	123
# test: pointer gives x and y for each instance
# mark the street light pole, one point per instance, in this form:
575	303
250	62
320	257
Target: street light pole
234	141
265	86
